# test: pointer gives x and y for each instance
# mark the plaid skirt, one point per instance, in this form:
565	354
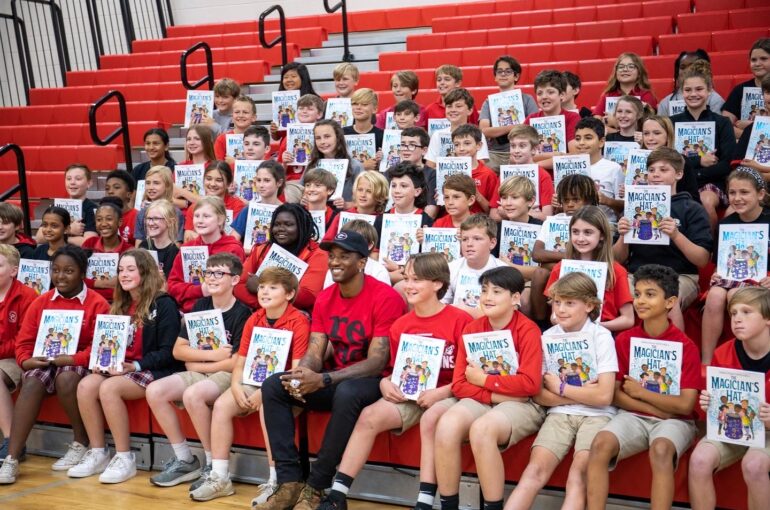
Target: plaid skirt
143	378
724	201
48	375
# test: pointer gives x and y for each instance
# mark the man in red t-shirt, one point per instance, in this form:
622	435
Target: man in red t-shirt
354	316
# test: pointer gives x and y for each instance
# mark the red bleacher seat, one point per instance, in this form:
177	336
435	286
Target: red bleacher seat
717	5
702	21
731	40
749	18
138	414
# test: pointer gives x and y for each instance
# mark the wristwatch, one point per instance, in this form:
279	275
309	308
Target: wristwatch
327	380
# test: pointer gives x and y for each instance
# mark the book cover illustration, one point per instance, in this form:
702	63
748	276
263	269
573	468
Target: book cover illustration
279	257
759	142
449	166
399	237
35	274
570	165
517	240
245	179
391	139
340	110
72	206
194	263
506	108
571	356
733	412
551	132
446	148
258	223
319	218
529	170
206	330
597	271
285	108
58	333
346	217
268	353
645	207
438	125
676	106
555	233
190	178
139	196
102	266
390	121
694	138
200	105
338	168
234	145
618	152
467	289
441	240
112	335
656	365
299	141
492	351
752	103
417	364
361	147
742	251
636	167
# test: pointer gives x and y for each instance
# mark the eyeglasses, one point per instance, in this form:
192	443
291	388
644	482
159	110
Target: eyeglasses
506	71
153	219
215	274
409	146
626	67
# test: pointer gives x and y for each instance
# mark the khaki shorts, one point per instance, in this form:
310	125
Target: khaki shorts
13	371
689	289
636	433
221	379
560	431
525	417
731	453
410	415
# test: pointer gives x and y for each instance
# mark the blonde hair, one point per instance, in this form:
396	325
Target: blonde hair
168	181
453	71
380	188
758	297
364	96
595	217
638	105
168	210
151	286
577	286
642	81
217	204
345	68
481	221
518	185
10	253
667	126
524	131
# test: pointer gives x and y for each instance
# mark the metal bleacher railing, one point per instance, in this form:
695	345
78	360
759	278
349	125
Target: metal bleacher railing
121	130
282	26
208	78
20	187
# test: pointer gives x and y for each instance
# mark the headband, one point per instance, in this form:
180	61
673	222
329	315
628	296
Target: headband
754	175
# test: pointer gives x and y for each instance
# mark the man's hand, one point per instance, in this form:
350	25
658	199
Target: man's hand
307	382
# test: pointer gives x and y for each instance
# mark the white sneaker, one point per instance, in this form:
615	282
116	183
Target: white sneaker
264	491
119	470
72	458
94	461
9	471
213	487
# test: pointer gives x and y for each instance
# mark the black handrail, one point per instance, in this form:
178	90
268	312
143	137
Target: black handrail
25	64
21	186
209	78
122	130
281	38
346	55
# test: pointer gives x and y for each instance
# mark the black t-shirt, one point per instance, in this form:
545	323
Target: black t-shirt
430	184
761	365
41	252
166	256
735	219
26	251
89	215
140	171
733	102
496	250
234	318
377	134
617	137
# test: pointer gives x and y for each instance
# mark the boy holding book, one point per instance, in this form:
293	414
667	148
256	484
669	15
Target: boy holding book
310	109
319	188
687	227
414	145
11	218
459	196
467	141
77	181
244	115
406	114
448	78
608	176
122	185
550	87
459	107
256	143
346	77
661	423
364	104
226	91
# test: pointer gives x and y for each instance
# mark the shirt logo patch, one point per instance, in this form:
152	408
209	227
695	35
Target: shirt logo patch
12	317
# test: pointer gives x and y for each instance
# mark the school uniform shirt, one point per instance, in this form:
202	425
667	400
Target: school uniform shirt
156	336
128	225
435	149
232	203
372	268
422	120
460	266
444	222
310	284
447	325
545	191
691	366
732	354
351	323
614	298
733	102
234	319
140	171
41	252
334	226
609	176
487	183
220	144
501	143
437	110
187	293
715	102
426	220
139	231
735	219
25	245
606	361
13	309
87	300
530	221
96	245
570	121
645	95
166	256
378	134
292	320
692	222
527	380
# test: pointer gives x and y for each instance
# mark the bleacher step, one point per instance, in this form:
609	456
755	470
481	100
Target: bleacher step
360	52
322	87
320	72
375	37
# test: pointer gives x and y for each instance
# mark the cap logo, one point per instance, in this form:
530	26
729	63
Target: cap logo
341	236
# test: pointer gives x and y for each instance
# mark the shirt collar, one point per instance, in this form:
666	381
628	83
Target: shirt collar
80	296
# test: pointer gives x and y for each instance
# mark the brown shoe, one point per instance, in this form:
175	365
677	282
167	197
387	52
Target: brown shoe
284	498
309	499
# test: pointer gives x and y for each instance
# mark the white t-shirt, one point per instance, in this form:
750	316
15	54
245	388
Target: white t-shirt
441	141
606	361
610	178
460	267
372	268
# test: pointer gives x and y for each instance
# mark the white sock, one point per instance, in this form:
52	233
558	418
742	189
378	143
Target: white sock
125	455
182	452
426	499
208	458
273	474
221	468
102	452
340	487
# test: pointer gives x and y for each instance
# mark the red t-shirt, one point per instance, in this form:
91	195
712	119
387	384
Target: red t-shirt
488	184
446	325
570	120
350	324
437	110
444	222
545	189
292	320
726	356
127	225
646	96
614	298
12	311
691	372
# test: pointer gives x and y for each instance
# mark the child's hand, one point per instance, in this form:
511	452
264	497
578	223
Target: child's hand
751	164
205	290
273	132
240	397
32	363
420	235
390	391
555	202
624	226
370	164
704	399
339	203
429	397
622	192
224	352
765	282
288	157
708	159
475	375
303	201
668	227
764	414
552	382
638	137
77	228
715	278
390	265
378	156
127	367
632	388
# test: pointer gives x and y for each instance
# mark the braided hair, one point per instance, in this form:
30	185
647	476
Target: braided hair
306	227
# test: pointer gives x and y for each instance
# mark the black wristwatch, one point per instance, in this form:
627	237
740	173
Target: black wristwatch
327	380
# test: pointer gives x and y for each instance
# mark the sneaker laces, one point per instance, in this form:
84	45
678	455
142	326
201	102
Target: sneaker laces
118	462
73	450
6	469
90	458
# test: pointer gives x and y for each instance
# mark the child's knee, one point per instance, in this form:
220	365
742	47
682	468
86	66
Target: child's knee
703	461
662	453
604	446
755	467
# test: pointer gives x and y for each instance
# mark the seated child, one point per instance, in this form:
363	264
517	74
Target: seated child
244	115
226	91
78	180
467	143
11	220
345	77
122	185
448	79
414	145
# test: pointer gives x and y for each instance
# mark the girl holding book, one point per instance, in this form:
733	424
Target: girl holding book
209	219
330	144
748	198
158	185
683	61
370	196
628	78
161	225
198	150
657	131
102	396
108	216
629	113
759	59
216	181
60	375
294	76
156	142
270	181
53	227
590	239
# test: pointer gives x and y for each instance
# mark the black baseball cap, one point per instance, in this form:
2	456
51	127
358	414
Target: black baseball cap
348	241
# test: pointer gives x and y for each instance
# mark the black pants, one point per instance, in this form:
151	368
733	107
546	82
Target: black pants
345	400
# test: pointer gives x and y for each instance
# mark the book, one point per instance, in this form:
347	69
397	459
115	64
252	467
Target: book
103	266
285	108
417	364
112	335
206	330
645	207
570	165
571	356
347	217
398	240
194	263
319	218
268	353
467	289
200	105
390	121
340	110
139	196
694	138
759	142
72	206
552	133
530	170
189	177
361	147
154	255
555	233
597	271
446	148
752	102
446	167
229	213
245	179
391	139
506	108
492	351
58	333
733	412
258	223
35	274
636	167
742	251
441	240
234	145
618	152
279	257
437	125
299	141
656	365
676	106
339	168
517	240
